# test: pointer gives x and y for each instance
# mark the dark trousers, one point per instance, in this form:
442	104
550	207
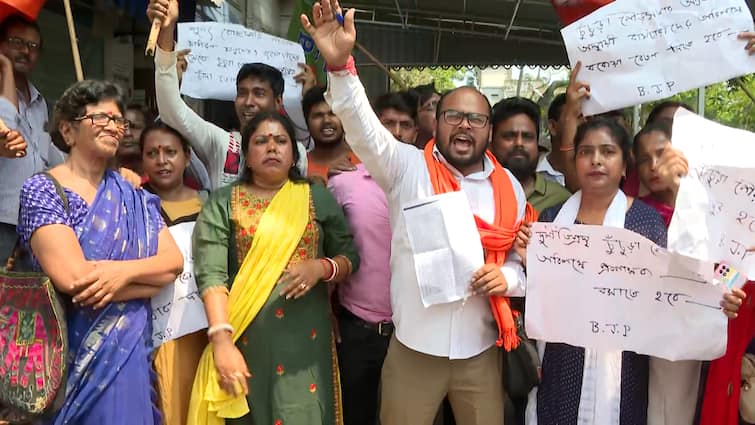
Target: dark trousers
8	238
360	358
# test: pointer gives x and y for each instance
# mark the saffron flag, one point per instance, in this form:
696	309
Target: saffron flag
569	11
28	8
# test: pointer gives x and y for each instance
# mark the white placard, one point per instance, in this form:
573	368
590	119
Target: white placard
446	246
636	51
714	218
178	310
219	50
610	289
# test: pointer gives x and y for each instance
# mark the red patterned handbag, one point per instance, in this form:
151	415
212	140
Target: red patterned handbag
33	343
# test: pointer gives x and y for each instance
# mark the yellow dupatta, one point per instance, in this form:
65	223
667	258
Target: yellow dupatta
278	233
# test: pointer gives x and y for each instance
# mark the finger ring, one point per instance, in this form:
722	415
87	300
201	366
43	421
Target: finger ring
303	286
238	375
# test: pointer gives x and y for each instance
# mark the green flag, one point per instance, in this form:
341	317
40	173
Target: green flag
297	33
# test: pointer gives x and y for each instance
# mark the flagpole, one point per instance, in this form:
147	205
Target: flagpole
74	43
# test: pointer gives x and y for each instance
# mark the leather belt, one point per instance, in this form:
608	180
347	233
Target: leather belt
381	328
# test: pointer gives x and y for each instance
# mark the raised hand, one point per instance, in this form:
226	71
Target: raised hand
335	41
575	92
672	167
306	77
182	64
164	10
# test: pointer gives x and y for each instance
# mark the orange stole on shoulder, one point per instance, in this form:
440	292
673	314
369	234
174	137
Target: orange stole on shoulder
497	238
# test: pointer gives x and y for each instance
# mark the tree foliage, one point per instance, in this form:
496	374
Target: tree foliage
442	77
727	102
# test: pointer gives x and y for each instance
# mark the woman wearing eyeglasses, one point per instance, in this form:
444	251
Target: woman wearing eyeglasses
263	249
105	247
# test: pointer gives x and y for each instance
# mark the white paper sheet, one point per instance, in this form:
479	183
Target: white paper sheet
178	310
446	246
219	50
714	219
611	289
636	51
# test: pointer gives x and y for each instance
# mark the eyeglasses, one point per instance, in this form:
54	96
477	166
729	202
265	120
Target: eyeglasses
475	120
19	43
102	120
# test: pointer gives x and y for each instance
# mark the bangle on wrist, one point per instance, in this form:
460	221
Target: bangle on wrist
566	148
327	268
212	330
333	269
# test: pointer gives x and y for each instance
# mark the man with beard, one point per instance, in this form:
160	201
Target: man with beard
259	88
331	150
516	124
24	110
442	349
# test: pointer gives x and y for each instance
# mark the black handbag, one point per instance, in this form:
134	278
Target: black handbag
521	366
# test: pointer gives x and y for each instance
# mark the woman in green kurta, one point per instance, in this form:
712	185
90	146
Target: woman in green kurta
283	360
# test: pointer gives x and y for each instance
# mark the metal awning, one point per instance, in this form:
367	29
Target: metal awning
460	32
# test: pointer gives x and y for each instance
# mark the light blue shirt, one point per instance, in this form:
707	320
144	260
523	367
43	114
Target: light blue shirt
31	121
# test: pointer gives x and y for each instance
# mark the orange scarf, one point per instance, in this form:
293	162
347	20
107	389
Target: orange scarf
497	238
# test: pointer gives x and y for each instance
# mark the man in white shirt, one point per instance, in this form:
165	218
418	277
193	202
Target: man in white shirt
259	87
446	349
22	109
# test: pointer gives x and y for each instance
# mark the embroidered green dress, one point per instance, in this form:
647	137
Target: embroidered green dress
289	346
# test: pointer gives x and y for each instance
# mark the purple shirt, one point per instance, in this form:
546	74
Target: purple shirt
366	293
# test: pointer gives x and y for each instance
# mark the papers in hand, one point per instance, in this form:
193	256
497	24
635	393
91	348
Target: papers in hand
445	244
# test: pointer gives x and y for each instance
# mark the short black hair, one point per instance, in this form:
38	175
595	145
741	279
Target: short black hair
74	101
18	20
663	105
439	109
512	106
400	101
661	125
617	132
293	174
161	126
263	72
148	118
556	106
424	92
312	97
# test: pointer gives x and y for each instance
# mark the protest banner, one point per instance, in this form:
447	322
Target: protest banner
177	310
714	218
608	288
637	51
219	50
